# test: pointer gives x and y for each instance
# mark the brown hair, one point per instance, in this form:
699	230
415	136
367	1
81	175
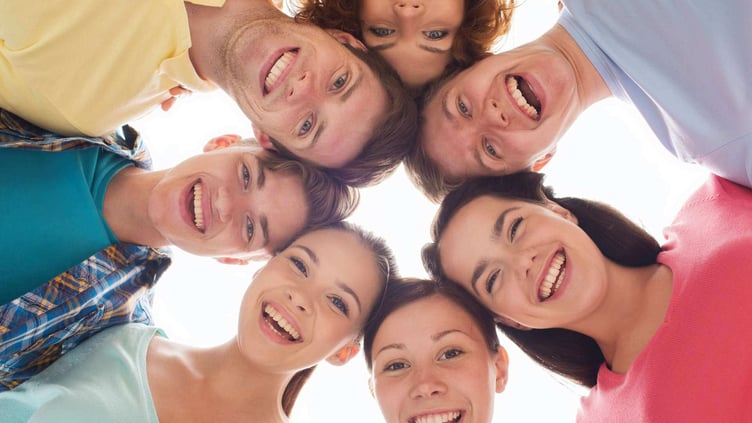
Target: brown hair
565	352
392	137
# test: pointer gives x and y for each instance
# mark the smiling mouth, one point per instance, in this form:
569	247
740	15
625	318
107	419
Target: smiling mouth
195	206
554	277
524	96
445	417
279	68
280	325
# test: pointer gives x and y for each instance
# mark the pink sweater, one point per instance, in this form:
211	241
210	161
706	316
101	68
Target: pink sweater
698	366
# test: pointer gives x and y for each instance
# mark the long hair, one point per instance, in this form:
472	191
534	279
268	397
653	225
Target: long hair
567	353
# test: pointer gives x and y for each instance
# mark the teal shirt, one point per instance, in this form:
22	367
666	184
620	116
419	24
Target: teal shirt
51	213
104	379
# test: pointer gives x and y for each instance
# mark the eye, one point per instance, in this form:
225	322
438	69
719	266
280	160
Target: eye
450	354
436	34
246	177
513	228
249	228
463	108
298	263
489	148
305	127
340	82
381	32
492	281
340	304
395	366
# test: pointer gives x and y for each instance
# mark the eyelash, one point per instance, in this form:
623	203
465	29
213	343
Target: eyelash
492	281
513	228
381	32
299	265
489	148
249	228
462	107
458	352
305	127
344	78
393	367
340	304
246	177
439	34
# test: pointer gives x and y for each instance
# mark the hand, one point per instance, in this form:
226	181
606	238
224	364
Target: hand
175	92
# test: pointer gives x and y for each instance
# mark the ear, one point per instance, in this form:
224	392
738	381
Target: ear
561	211
258	256
501	364
221	141
344	354
346	38
231	260
370	387
542	161
263	138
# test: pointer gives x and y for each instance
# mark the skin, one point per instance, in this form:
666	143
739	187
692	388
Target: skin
318	90
414	36
474	126
437	364
500	250
242	217
243	379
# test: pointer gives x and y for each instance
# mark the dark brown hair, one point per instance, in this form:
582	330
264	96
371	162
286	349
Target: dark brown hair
567	353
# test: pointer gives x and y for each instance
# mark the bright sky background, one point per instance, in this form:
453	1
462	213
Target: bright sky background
608	155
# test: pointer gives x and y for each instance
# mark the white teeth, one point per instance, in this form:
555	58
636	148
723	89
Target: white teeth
198	212
553	278
284	324
522	103
438	418
277	69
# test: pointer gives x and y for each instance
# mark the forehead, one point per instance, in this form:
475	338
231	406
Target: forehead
428	318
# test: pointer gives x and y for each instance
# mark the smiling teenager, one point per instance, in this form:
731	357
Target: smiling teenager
307	304
67	274
420	39
507	112
298	84
591	296
445	366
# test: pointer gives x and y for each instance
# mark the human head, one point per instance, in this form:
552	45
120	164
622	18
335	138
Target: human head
244	202
447	360
565	352
390	141
462	31
310	301
502	115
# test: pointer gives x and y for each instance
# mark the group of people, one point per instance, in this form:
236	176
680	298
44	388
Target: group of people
581	289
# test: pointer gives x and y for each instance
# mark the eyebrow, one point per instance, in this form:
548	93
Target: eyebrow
445	109
495	234
435	337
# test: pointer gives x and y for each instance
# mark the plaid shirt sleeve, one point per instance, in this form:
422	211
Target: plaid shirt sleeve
113	286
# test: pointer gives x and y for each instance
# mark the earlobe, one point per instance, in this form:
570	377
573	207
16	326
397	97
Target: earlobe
501	363
263	139
344	354
561	211
543	161
221	141
346	38
370	387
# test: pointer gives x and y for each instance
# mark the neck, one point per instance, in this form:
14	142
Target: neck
126	207
216	383
212	27
635	307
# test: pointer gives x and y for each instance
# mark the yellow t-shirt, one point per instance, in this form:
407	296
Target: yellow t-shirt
87	67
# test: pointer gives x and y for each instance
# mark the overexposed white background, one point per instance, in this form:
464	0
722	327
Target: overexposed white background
608	155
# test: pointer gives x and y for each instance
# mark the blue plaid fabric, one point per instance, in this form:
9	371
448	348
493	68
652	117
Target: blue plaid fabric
113	286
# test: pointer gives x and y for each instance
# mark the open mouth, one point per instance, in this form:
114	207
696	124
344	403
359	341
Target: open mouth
554	277
524	96
279	324
444	417
195	206
278	70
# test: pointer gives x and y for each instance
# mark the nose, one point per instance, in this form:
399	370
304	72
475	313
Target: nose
299	300
300	87
495	115
520	265
409	8
223	205
427	385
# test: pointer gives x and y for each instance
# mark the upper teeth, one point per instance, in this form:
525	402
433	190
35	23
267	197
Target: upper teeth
282	322
514	91
277	69
554	277
438	418
198	213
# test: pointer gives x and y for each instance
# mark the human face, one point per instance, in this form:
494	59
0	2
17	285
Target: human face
225	204
302	87
309	301
414	36
502	115
525	262
437	367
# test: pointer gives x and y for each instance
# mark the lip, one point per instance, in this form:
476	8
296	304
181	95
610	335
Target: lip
186	205
534	86
414	417
272	334
268	67
544	270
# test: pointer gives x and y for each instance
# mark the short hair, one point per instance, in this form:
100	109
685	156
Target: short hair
328	199
407	291
387	267
392	137
567	353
